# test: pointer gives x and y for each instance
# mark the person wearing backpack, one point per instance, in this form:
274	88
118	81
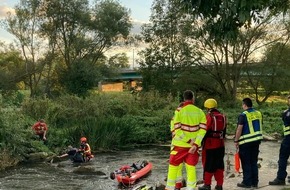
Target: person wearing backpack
213	147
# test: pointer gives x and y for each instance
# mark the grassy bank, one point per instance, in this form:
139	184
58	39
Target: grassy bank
109	121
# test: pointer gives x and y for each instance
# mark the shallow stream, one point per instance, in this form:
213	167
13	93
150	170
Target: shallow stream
46	176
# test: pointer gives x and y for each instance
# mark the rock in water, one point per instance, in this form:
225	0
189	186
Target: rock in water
89	170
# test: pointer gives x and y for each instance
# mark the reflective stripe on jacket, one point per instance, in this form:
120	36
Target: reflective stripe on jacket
286	121
172	129
286	130
189	126
252	129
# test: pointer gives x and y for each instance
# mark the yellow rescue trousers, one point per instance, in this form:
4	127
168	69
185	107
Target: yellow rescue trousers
178	156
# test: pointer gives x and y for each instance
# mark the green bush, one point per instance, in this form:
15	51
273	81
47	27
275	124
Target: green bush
108	120
16	134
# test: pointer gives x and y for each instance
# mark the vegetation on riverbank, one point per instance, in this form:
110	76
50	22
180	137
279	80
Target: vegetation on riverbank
110	121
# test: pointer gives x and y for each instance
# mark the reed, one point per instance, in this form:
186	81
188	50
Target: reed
110	121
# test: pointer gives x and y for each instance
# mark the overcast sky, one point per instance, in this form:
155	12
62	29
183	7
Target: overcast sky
140	12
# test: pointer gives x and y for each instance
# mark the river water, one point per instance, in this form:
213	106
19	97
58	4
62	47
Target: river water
47	176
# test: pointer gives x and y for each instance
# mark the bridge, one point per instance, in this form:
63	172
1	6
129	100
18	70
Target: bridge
126	79
129	74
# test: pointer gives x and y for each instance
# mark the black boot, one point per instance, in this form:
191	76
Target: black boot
277	181
218	187
255	186
243	185
204	187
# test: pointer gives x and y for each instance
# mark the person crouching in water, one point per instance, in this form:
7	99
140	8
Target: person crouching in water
73	154
213	148
85	149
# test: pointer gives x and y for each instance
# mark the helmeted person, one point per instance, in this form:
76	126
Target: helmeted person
85	149
284	151
248	139
40	128
179	177
189	130
213	147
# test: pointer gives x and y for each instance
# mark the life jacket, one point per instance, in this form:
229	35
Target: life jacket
216	130
217	126
86	148
286	121
252	130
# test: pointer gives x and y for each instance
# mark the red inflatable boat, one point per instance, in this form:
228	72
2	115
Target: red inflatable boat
129	174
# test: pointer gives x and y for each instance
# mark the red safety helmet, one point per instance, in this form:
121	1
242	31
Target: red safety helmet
83	139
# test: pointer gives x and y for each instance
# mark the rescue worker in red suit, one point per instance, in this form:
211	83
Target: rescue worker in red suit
85	149
213	148
189	128
40	129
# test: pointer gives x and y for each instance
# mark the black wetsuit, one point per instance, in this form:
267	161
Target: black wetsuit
75	156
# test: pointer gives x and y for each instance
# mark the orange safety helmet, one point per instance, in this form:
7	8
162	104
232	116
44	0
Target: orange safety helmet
83	139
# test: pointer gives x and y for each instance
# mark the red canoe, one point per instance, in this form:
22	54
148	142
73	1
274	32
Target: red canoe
129	174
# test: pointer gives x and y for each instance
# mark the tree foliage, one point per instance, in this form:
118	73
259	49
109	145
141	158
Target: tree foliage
12	68
25	25
215	67
118	61
60	37
224	61
224	18
83	35
271	74
170	51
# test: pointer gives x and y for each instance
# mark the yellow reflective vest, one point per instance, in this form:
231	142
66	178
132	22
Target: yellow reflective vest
252	129
286	121
189	126
172	129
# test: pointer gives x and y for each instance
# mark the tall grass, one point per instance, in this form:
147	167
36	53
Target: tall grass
108	120
17	139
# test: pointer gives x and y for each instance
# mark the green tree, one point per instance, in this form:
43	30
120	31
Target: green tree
60	36
24	25
119	61
224	61
218	64
224	18
82	35
271	74
12	68
171	49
